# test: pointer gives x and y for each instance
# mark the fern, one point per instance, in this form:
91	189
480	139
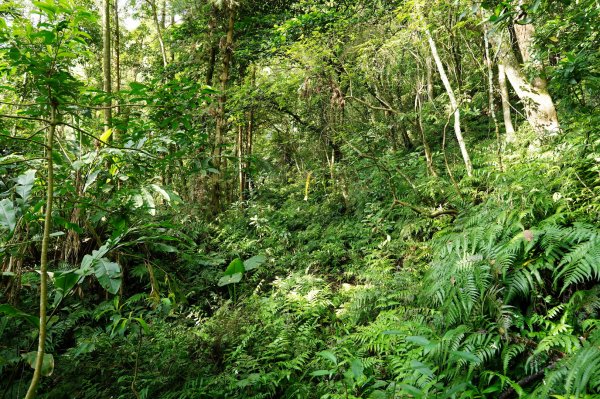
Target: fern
581	264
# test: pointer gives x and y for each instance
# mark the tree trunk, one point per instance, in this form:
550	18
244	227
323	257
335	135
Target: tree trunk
491	104
213	46
106	63
227	47
538	105
117	48
39	360
429	68
159	30
508	125
240	154
117	40
427	149
453	103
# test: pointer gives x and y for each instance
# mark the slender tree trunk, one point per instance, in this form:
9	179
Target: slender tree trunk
163	15
508	125
212	51
106	63
117	40
117	49
427	149
220	120
491	104
39	360
249	137
172	24
240	154
453	103
429	68
159	30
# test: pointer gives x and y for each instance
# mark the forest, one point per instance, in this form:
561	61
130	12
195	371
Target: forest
304	199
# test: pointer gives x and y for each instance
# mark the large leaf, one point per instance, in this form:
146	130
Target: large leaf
254	262
320	373
11	311
47	362
108	274
161	191
149	202
106	135
90	260
230	279
329	356
25	184
468	356
91	178
357	368
64	281
418	340
8	217
236	266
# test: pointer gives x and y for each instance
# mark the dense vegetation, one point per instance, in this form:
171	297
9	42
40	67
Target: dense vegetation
299	199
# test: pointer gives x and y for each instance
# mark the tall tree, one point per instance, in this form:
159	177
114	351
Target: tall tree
227	54
159	30
534	96
453	102
106	63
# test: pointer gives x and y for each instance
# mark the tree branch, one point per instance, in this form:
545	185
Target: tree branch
372	106
23	139
28	118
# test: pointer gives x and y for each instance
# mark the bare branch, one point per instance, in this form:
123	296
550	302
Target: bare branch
23	139
28	118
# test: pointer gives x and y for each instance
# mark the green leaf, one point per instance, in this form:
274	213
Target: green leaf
418	340
149	202
143	324
394	332
90	260
159	246
108	274
378	394
357	368
7	215
421	367
25	184
49	9
230	279
320	373
236	266
91	178
254	262
162	192
65	280
47	362
329	356
468	356
14	312
416	392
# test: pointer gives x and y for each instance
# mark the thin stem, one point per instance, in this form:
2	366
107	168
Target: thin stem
39	360
27	118
23	139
